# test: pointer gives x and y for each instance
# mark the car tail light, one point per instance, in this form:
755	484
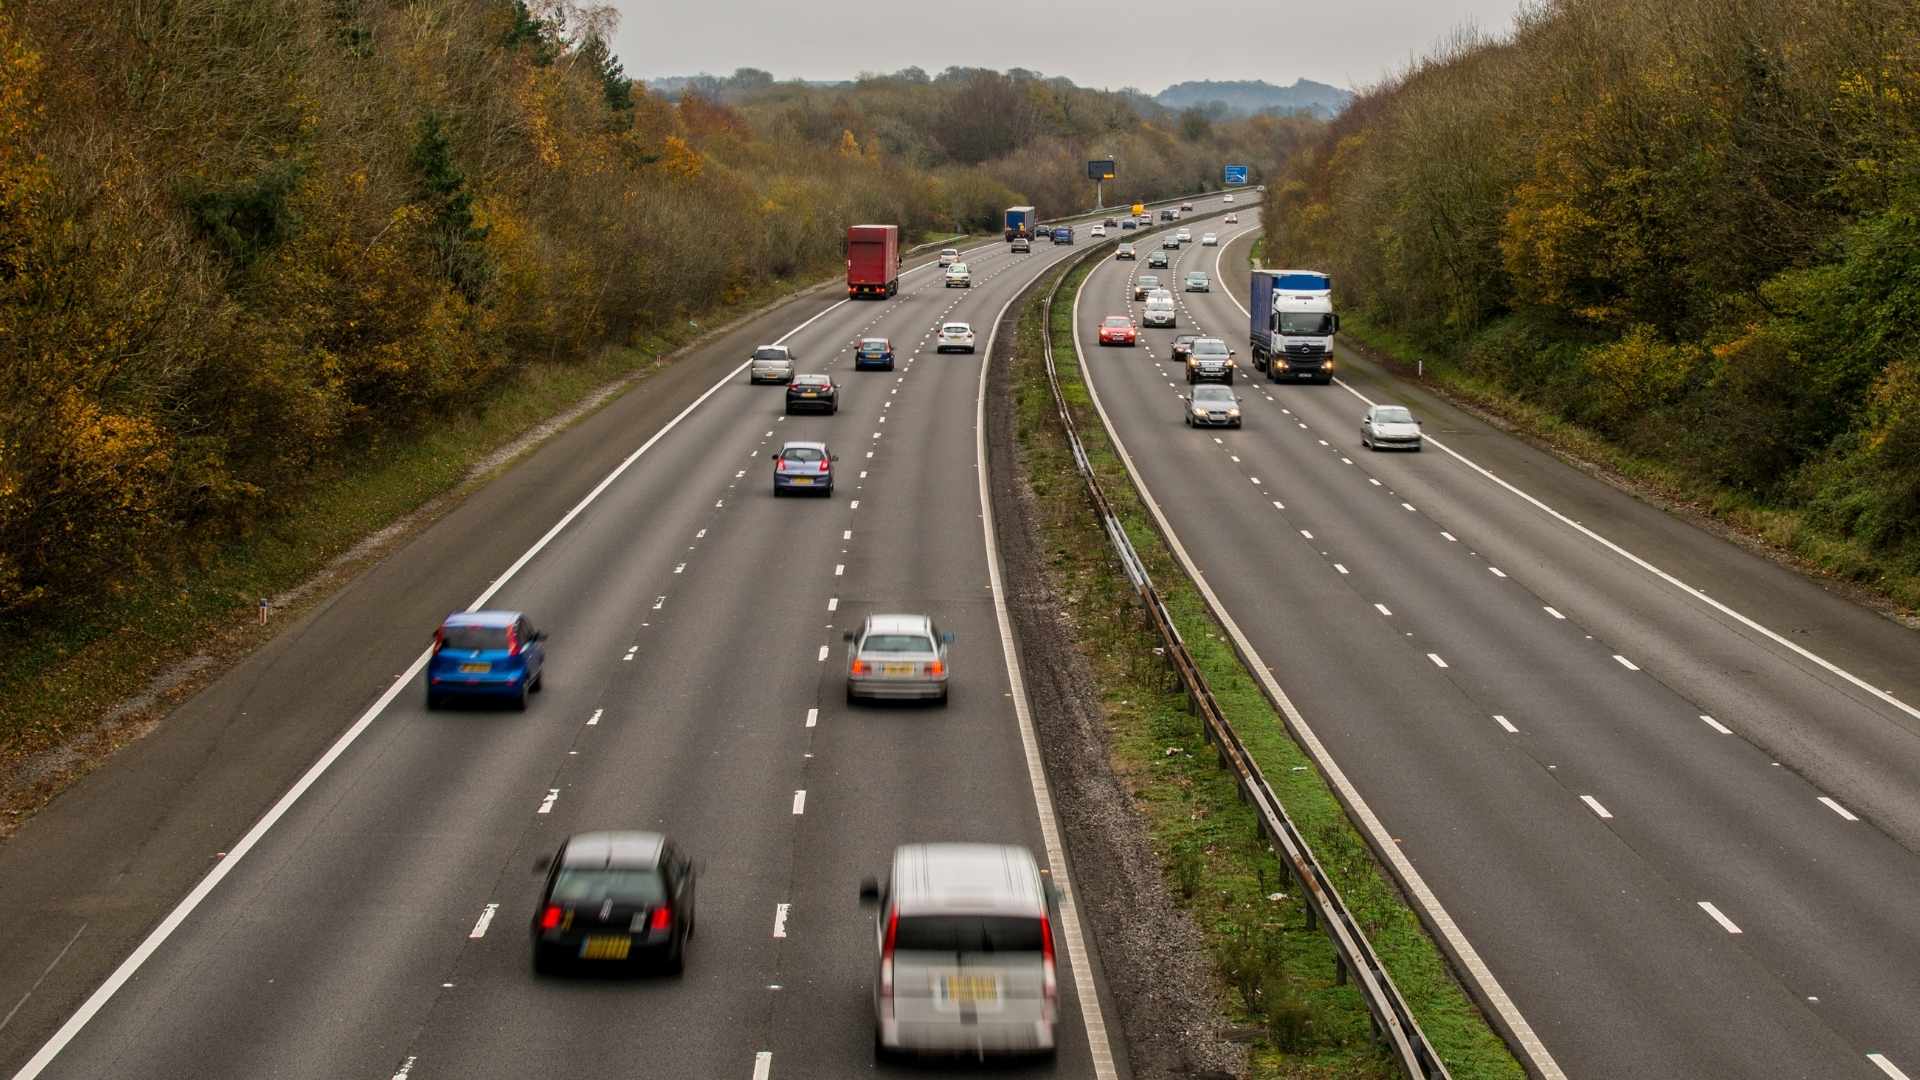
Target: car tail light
662	918
780	465
886	958
439	639
861	667
513	641
826	465
550	918
1050	985
936	667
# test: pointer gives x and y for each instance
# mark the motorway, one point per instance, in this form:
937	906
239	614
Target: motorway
303	873
1664	787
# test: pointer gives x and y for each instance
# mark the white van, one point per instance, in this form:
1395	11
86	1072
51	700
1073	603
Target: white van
1159	312
965	937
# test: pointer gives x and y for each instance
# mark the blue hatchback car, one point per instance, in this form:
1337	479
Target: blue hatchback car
486	654
874	353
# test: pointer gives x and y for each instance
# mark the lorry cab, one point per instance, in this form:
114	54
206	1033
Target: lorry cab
1293	325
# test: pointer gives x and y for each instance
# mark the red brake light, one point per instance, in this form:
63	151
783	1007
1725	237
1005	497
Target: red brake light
550	918
1049	985
886	954
936	667
781	466
662	918
826	464
513	641
439	639
859	667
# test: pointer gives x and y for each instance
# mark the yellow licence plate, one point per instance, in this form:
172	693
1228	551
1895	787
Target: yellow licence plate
808	393
897	669
802	480
605	947
476	669
972	989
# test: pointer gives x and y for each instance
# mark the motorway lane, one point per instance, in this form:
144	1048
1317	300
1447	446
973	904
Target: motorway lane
440	822
1687	820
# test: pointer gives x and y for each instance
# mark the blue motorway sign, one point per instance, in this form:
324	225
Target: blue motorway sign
1236	174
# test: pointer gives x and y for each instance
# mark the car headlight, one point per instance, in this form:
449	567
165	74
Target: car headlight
1233	413
1199	410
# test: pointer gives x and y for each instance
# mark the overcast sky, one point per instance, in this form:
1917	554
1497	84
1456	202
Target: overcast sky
1349	43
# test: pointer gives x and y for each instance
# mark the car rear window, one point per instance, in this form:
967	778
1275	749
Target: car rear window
1118	321
474	637
903	643
956	328
812	380
769	354
968	933
590	885
872	345
801	453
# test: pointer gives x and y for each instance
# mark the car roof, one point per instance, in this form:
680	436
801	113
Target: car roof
600	850
482	618
999	879
802	444
899	624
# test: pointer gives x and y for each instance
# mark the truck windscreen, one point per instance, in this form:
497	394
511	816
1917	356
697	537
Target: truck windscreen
1306	323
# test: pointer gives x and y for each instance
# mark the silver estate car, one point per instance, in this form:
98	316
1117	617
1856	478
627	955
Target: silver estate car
966	944
897	656
1389	427
771	363
1213	406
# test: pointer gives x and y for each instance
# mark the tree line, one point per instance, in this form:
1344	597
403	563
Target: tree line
1691	226
245	244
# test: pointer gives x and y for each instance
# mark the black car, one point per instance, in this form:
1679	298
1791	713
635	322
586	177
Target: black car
874	353
614	898
1111	222
1157	260
815	392
1183	345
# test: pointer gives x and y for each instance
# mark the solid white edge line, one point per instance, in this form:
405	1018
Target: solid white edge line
1655	571
1725	923
1384	844
1887	1067
158	936
1091	1016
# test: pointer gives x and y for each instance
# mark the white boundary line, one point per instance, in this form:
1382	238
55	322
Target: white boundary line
1636	560
1383	841
1098	1045
159	935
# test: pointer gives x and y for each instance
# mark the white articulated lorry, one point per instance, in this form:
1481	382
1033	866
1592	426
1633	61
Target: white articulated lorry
1293	325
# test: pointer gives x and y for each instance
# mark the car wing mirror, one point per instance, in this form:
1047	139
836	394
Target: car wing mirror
848	636
946	636
833	457
870	891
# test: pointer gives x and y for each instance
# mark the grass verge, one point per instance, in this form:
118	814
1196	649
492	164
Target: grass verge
1276	974
86	681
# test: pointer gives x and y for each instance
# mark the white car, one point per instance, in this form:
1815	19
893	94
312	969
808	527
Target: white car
1209	240
954	337
1097	230
1389	426
958	276
1233	219
949	256
1159	310
1185	236
1186	206
1227	199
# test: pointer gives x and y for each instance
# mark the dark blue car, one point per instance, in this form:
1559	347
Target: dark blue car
874	353
486	654
1063	235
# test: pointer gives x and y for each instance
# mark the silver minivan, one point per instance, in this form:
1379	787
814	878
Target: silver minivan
966	945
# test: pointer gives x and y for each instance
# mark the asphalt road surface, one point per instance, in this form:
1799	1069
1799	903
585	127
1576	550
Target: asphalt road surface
369	914
1666	788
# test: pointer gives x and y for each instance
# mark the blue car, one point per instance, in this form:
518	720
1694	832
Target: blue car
803	468
875	353
486	654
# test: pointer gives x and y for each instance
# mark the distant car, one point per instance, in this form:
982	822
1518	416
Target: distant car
1129	223
771	363
1144	284
813	393
1213	406
1389	427
1186	206
1209	240
954	337
614	898
1125	251
804	467
897	656
1063	235
1168	214
486	654
1110	223
1185	235
949	256
958	276
1021	243
1170	243
1232	219
1197	281
1157	260
1097	230
1228	199
874	353
1182	345
966	952
1209	360
1118	330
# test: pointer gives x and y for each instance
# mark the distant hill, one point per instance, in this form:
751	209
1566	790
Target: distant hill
1252	96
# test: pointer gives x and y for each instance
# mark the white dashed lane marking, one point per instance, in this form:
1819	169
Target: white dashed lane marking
1552	612
546	804
1837	808
1593	804
1505	723
800	801
1715	724
1725	923
1626	663
1437	662
486	919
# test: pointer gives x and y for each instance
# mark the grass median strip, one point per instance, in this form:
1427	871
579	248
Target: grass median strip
1277	974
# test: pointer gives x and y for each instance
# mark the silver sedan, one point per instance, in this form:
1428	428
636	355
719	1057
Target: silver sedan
897	656
1389	427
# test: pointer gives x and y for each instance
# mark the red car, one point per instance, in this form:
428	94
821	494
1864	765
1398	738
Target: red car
1118	330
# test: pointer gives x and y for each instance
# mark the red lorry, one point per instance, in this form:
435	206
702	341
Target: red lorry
873	260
